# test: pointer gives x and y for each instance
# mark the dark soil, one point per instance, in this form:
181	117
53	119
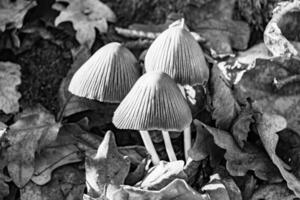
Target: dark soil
43	68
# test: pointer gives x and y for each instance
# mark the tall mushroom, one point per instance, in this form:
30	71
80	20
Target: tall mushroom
154	103
107	76
178	54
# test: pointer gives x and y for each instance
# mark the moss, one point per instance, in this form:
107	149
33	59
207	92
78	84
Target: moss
43	68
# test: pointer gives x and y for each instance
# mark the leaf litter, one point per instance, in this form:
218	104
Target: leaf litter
237	125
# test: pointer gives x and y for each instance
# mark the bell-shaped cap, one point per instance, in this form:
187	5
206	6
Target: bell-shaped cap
154	103
107	76
178	54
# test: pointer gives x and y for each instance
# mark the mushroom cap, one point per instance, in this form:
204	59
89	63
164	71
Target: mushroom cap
178	54
154	103
107	76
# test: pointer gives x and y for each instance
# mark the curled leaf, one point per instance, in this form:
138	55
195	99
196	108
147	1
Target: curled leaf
277	33
35	129
267	127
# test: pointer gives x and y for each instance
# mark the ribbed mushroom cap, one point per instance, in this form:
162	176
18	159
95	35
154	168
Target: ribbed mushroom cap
154	103
107	76
178	54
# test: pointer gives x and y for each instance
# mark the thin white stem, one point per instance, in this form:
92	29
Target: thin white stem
187	141
150	147
169	147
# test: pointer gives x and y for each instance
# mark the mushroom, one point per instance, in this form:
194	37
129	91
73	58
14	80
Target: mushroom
107	76
154	103
178	54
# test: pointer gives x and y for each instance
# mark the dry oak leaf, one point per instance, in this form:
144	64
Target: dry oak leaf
51	158
225	106
34	130
239	161
86	16
108	166
13	12
258	84
10	77
176	190
67	183
267	126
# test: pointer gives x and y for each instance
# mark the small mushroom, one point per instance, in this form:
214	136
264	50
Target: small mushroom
178	54
154	103
107	76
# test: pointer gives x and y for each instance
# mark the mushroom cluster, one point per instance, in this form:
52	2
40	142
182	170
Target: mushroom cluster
153	101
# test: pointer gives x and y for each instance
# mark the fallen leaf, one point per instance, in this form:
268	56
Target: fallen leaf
67	183
108	166
250	184
258	84
13	12
204	146
222	188
9	79
178	189
139	172
240	161
267	126
278	31
86	16
35	129
162	174
136	154
50	159
213	20
223	35
273	192
225	106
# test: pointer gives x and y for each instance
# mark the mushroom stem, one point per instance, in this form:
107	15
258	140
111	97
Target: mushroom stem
187	141
150	147
169	147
